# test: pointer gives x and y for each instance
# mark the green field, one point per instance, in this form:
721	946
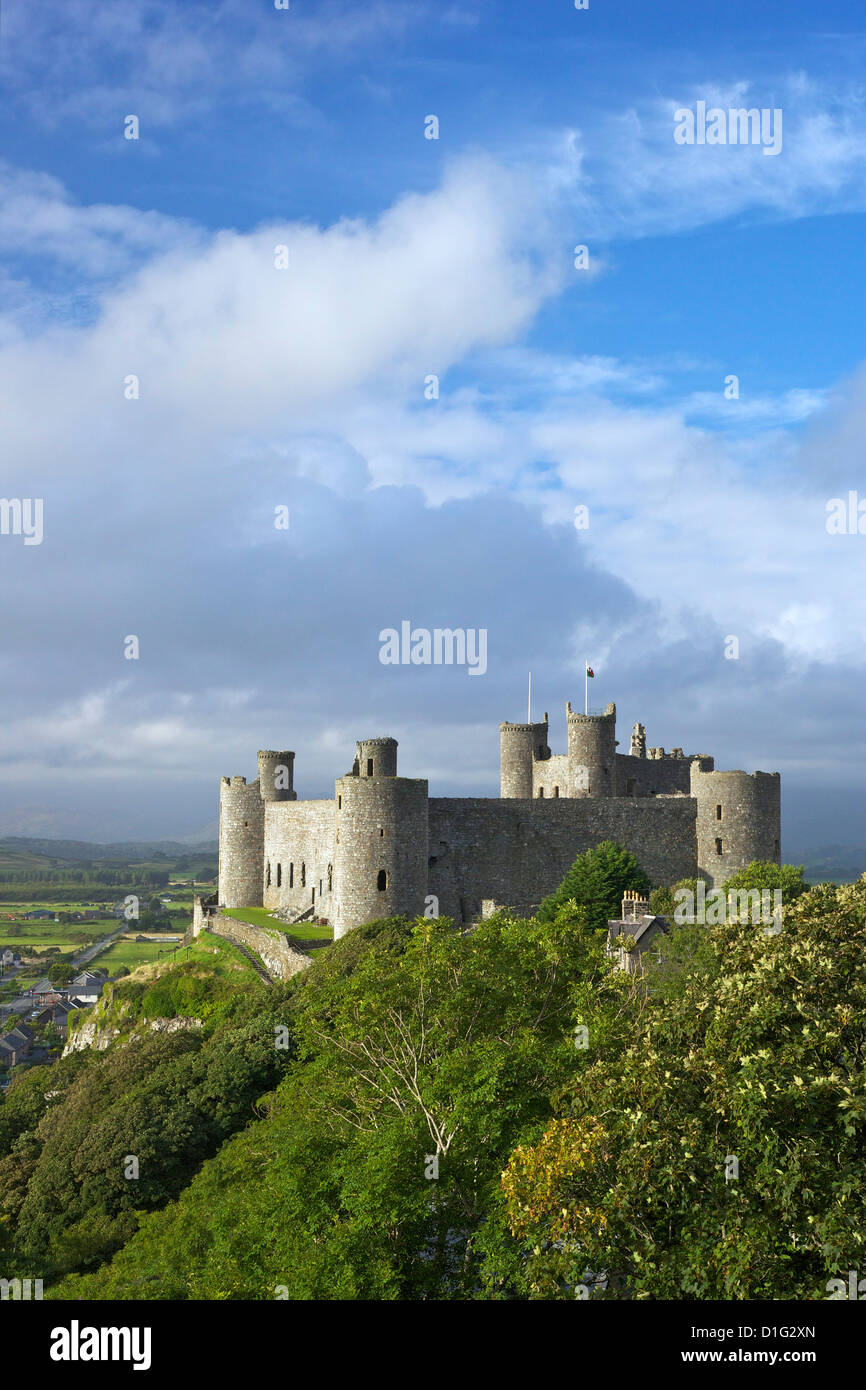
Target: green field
62	877
260	917
62	872
131	954
25	937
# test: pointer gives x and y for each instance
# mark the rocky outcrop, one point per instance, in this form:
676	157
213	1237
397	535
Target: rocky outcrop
99	1036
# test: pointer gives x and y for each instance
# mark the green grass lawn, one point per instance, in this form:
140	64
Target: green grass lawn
130	954
260	917
220	956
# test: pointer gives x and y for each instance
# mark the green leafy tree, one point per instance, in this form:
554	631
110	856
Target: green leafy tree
169	1100
423	1055
685	953
597	881
663	901
60	973
762	874
721	1155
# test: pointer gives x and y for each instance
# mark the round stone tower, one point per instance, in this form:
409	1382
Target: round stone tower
242	843
380	850
738	820
377	757
519	746
277	775
592	752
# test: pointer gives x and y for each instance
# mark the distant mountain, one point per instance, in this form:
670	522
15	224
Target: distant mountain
49	822
128	851
208	835
830	863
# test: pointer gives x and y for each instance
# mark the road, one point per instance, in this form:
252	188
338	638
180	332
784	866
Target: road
24	1003
84	956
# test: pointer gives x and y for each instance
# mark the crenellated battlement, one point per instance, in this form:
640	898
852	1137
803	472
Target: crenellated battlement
522	728
382	847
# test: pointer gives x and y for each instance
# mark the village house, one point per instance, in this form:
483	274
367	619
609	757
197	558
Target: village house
629	936
15	1045
45	992
88	985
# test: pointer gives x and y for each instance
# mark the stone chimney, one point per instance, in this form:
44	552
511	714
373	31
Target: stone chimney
633	906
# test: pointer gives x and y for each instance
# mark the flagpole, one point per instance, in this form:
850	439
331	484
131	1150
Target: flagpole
585	686
529	702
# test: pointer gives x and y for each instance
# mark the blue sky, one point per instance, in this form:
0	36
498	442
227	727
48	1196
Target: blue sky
558	387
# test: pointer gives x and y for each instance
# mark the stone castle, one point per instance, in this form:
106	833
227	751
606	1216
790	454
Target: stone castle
384	847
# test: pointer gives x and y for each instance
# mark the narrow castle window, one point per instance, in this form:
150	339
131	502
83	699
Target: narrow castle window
629	786
382	881
320	887
339	803
381	833
541	791
330	878
303	875
718	813
246	823
718	846
279	874
268	878
556	791
313	899
291	875
369	767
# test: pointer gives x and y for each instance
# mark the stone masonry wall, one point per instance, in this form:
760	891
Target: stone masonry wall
381	857
280	957
655	776
240	843
518	851
551	773
738	820
299	837
519	745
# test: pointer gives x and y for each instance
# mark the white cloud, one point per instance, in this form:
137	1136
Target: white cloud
628	178
251	377
39	220
306	387
165	61
225	344
746	413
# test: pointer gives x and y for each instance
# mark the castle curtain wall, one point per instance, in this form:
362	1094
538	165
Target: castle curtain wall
299	833
518	851
366	854
656	776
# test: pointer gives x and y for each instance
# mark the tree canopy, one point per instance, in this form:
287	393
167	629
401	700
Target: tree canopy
721	1155
494	1113
597	881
